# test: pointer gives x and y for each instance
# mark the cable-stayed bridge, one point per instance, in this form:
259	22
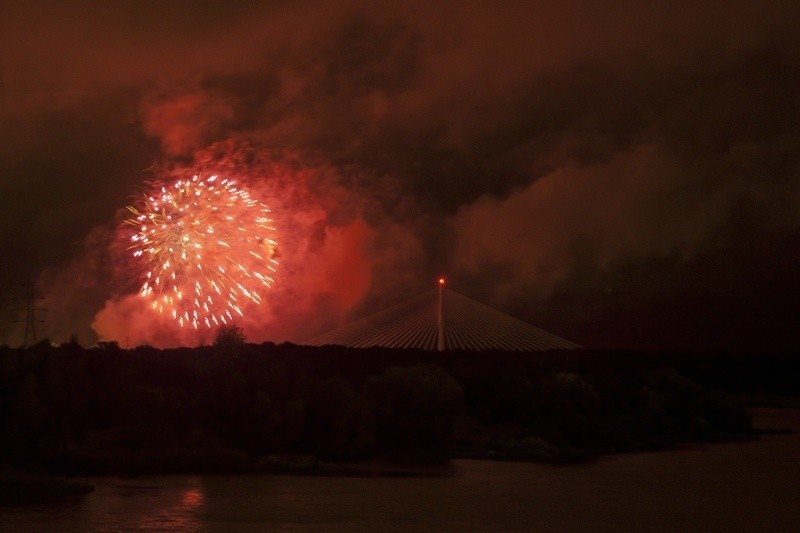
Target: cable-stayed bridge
442	319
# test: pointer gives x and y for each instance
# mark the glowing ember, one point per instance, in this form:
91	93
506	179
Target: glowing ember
206	250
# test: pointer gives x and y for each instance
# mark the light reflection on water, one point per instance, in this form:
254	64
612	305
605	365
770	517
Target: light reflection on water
179	511
169	503
736	486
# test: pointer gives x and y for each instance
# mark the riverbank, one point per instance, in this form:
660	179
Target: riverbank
20	489
133	463
25	489
742	486
777	420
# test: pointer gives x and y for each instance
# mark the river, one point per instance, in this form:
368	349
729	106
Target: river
748	486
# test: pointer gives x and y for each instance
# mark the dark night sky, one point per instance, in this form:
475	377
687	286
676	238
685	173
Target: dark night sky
625	175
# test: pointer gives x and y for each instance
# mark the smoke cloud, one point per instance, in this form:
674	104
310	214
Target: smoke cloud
616	174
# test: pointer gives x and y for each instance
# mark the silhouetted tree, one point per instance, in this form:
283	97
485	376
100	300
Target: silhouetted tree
26	421
108	345
229	335
72	343
415	408
336	423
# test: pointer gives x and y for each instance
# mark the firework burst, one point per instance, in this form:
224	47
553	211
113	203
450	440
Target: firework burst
206	250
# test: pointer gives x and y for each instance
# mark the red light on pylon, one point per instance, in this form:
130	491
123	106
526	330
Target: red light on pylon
441	281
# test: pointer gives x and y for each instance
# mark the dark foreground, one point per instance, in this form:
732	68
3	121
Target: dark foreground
743	486
334	411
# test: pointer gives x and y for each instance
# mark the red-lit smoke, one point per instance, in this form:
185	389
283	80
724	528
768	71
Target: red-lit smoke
333	244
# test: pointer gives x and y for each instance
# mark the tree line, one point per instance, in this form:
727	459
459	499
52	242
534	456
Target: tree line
246	407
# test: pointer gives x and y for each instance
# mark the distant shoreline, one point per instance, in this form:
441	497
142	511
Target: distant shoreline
20	489
335	411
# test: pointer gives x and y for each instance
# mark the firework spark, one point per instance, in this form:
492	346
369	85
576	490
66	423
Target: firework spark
206	249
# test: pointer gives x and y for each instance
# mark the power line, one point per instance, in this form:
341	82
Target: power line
30	315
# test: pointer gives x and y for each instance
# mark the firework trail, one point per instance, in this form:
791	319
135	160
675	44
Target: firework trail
206	250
